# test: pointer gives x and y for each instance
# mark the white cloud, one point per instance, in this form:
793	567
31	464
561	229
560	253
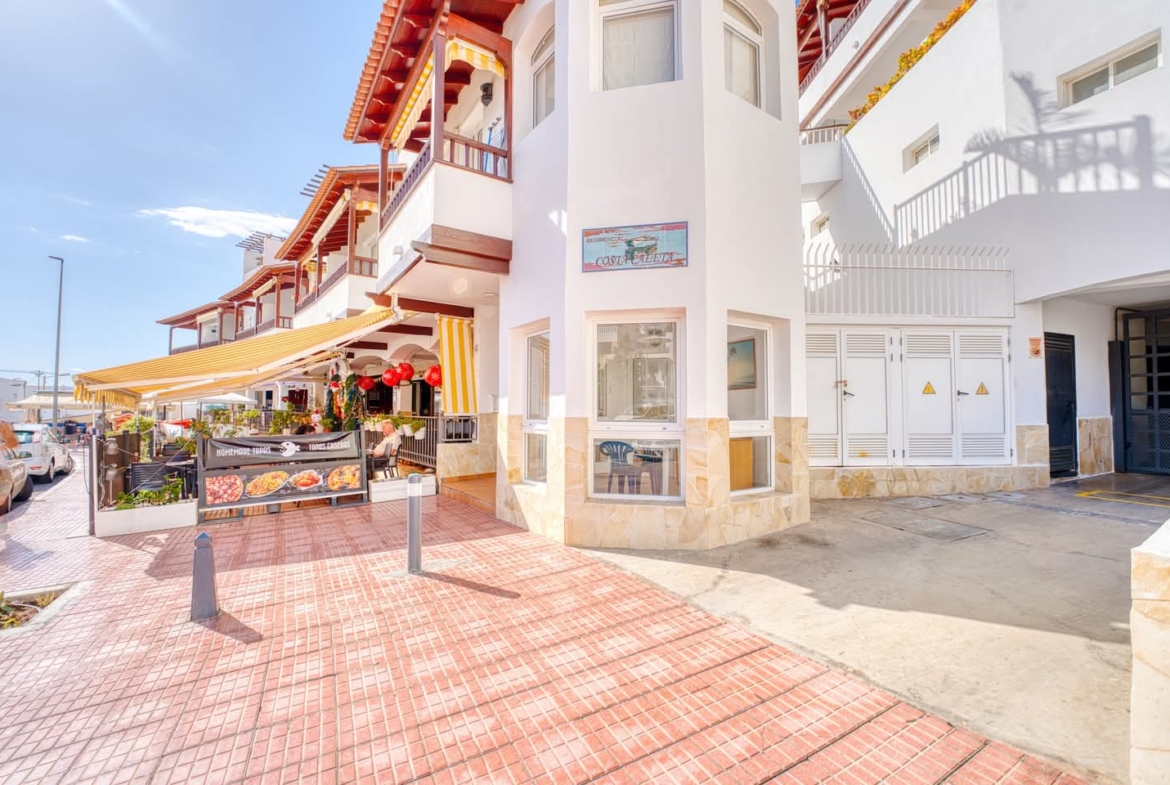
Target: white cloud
75	200
74	238
221	223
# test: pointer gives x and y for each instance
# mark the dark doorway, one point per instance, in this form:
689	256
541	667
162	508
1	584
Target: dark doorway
1060	372
1146	371
422	398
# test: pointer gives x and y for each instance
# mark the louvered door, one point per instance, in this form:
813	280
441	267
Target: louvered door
929	399
981	398
865	397
824	397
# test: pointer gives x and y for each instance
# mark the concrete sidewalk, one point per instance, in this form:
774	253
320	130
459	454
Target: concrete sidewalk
1009	614
512	660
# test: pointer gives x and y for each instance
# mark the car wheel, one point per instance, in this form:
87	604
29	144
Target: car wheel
52	473
27	491
68	465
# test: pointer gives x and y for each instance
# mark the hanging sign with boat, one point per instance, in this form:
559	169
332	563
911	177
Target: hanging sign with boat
634	247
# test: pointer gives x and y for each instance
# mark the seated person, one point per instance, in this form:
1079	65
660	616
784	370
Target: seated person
390	439
304	428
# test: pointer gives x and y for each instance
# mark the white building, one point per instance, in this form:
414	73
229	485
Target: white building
11	391
611	201
987	267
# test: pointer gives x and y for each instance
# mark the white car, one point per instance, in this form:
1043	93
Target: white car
15	481
43	453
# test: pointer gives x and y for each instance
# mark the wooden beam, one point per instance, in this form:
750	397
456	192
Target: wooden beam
426	306
373	345
470	242
412	75
407	329
438	97
464	261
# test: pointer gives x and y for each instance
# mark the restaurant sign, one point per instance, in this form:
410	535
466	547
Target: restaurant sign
261	485
634	247
269	450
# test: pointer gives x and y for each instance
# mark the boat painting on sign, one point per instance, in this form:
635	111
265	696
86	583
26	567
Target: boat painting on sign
634	247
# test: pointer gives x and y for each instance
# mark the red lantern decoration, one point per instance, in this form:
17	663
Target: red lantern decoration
334	385
434	376
365	383
390	377
405	372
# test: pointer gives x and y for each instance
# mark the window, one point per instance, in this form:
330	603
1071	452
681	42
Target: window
742	43
748	407
1131	62
636	444
638	43
924	151
820	225
543	79
536	408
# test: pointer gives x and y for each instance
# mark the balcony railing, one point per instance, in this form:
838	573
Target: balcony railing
834	41
181	349
415	173
823	134
363	265
327	284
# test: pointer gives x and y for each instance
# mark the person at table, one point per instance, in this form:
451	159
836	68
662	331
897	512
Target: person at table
304	428
390	439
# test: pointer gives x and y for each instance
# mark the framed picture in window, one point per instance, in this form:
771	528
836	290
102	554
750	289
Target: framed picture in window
741	364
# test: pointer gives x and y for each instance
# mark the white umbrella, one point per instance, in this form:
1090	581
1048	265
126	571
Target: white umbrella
228	398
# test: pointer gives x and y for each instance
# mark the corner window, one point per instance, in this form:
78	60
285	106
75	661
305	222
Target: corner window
743	41
536	408
749	407
636	445
1119	69
638	43
543	79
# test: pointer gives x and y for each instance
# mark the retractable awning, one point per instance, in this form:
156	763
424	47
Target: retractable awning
230	366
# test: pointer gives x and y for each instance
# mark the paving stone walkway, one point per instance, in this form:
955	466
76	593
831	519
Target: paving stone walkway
512	660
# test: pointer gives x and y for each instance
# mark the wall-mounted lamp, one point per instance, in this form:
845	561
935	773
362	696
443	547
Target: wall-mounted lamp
486	90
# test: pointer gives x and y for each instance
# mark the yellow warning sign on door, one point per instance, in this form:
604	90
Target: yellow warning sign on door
982	389
928	389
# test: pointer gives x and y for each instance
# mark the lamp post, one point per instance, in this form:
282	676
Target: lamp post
57	357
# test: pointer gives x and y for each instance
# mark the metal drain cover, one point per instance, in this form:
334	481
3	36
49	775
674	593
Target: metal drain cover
916	503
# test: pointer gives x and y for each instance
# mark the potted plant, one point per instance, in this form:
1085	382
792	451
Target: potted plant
419	427
281	423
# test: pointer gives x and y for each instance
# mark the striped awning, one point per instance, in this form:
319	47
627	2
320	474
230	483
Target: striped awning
456	49
457	357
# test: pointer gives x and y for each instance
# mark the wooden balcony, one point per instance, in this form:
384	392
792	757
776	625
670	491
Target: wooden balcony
362	266
458	151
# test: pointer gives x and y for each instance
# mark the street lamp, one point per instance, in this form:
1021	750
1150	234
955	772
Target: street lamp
57	358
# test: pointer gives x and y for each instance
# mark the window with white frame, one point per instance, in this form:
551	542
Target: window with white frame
924	150
543	79
536	408
636	444
1106	74
743	44
639	42
749	407
820	225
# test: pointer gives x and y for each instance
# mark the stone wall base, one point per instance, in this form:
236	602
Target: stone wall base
855	482
1094	446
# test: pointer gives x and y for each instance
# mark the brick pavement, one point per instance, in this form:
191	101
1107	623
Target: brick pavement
515	660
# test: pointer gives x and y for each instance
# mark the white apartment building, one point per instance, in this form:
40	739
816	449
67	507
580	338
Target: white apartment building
12	391
988	251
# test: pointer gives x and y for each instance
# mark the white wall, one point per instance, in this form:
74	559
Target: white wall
11	391
1091	325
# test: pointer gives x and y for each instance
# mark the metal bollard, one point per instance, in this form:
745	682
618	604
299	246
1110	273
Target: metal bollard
414	524
204	602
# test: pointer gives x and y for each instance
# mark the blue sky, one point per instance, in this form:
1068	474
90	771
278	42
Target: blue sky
112	110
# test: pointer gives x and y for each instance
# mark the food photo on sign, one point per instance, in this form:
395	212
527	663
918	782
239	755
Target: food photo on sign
259	485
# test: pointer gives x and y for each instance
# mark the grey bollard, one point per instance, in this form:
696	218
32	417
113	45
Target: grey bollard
414	524
204	602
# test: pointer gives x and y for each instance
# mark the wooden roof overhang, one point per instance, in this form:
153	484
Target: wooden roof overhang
188	319
809	42
397	54
261	276
362	179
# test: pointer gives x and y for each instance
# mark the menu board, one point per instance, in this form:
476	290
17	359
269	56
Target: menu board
255	485
269	450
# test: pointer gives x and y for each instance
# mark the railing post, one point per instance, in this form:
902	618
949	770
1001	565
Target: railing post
204	602
414	524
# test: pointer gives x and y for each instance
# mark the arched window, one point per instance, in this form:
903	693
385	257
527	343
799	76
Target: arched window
543	78
743	44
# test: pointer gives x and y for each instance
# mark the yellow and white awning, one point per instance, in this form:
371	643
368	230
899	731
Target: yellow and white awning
230	366
457	49
457	357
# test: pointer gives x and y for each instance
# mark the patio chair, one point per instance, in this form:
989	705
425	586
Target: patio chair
628	475
388	461
149	476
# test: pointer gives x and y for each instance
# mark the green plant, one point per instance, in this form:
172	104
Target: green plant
221	416
200	428
908	60
185	445
43	600
144	426
250	415
280	421
417	425
168	494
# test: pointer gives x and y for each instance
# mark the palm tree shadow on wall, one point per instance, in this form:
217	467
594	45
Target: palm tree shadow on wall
1057	172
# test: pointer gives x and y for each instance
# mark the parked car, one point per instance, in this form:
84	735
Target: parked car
43	453
16	483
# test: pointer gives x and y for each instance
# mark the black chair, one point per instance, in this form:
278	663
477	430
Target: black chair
620	467
149	476
388	461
